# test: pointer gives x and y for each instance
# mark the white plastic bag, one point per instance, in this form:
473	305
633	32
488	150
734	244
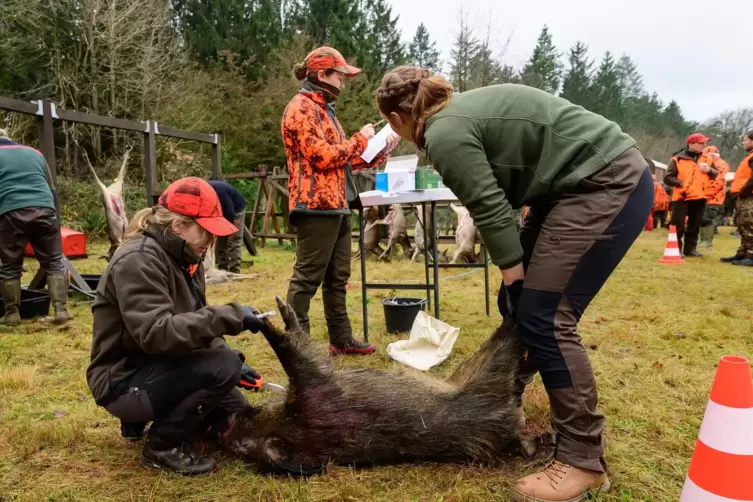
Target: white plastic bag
430	343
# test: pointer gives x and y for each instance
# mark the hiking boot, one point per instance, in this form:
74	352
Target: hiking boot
132	431
58	286
12	300
352	347
745	262
694	254
705	244
560	482
732	259
178	459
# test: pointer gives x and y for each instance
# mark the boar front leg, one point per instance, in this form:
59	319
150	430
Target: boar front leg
294	349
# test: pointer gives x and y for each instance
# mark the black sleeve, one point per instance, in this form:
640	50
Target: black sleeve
239	201
670	178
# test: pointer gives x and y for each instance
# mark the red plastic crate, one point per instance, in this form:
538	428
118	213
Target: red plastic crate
74	244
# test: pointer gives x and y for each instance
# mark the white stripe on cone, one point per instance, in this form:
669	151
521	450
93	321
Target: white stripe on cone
691	492
671	252
729	430
672	238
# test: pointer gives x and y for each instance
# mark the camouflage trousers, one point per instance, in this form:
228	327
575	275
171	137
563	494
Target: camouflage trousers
745	225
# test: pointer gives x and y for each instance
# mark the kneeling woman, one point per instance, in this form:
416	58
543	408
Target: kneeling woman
158	352
589	190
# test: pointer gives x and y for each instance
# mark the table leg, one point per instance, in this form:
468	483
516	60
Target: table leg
362	250
436	257
425	219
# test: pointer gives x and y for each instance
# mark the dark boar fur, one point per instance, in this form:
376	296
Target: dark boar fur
371	417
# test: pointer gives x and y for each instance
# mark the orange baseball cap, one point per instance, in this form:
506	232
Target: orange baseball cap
327	58
196	198
697	138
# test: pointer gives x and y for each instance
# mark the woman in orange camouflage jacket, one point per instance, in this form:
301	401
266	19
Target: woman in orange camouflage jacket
321	188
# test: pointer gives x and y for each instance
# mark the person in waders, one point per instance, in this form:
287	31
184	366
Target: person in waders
590	193
320	161
158	353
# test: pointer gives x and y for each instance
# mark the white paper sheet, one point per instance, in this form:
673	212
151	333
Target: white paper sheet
430	343
377	143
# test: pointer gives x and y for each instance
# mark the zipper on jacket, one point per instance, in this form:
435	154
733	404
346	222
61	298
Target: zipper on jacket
581	238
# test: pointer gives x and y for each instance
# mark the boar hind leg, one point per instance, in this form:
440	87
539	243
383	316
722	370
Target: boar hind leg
294	349
495	362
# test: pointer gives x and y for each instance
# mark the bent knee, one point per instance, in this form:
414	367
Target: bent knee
225	368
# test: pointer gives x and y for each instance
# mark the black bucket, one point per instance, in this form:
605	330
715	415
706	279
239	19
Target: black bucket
34	303
399	313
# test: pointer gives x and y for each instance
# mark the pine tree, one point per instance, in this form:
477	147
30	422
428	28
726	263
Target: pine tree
333	22
631	81
423	51
463	52
576	86
544	68
385	50
674	121
606	90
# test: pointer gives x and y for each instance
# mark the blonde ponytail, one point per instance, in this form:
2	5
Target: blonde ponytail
162	218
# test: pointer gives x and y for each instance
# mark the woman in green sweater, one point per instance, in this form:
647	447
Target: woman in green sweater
589	190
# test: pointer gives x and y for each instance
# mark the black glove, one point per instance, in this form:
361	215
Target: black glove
250	321
248	377
240	355
508	298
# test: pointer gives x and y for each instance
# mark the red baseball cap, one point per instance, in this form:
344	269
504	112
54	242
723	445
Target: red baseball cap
697	138
196	198
327	58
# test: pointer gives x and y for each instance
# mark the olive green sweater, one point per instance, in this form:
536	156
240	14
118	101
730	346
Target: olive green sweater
501	147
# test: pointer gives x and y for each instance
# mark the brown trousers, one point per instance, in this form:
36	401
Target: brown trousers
229	250
322	259
38	225
571	246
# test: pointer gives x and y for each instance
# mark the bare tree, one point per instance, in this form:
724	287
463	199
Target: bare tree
728	129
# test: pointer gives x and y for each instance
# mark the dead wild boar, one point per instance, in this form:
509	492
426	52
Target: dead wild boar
367	417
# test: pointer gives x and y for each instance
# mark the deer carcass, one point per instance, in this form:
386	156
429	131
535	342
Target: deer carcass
114	204
465	236
398	230
371	236
213	275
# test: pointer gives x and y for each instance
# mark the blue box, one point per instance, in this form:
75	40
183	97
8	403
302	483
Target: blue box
382	183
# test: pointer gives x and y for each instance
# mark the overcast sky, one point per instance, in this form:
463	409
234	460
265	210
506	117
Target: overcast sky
697	53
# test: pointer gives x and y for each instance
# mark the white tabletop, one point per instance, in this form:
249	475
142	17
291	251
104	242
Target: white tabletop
379	198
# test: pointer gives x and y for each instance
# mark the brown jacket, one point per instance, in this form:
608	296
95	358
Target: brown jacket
147	306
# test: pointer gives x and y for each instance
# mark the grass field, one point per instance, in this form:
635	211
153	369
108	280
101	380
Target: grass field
654	335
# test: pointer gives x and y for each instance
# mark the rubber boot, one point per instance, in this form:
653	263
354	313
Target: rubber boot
12	300
707	236
58	286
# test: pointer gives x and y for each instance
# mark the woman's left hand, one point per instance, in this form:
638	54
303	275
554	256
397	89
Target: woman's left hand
392	142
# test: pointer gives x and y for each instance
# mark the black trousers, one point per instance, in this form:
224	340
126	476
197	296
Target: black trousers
38	225
182	394
693	210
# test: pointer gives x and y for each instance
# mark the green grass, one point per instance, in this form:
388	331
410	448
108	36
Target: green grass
654	335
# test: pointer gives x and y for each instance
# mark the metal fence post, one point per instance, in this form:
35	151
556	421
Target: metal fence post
216	157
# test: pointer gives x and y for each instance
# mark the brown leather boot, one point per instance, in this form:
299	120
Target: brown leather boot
58	286
560	482
12	300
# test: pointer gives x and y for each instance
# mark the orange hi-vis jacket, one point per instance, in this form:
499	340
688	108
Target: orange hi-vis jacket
318	155
716	187
743	174
661	197
684	174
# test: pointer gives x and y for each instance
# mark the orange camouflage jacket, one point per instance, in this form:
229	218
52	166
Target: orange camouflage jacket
320	158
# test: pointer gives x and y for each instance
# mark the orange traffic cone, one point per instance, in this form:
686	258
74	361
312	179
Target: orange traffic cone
722	462
672	249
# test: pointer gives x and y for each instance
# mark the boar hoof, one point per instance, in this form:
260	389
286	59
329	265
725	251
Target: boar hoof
287	314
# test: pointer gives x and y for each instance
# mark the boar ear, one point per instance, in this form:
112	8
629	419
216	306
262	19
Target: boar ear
278	453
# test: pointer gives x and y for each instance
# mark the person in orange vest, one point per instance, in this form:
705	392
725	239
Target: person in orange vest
689	174
661	200
742	190
715	193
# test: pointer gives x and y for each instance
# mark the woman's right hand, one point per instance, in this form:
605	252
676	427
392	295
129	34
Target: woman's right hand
368	131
